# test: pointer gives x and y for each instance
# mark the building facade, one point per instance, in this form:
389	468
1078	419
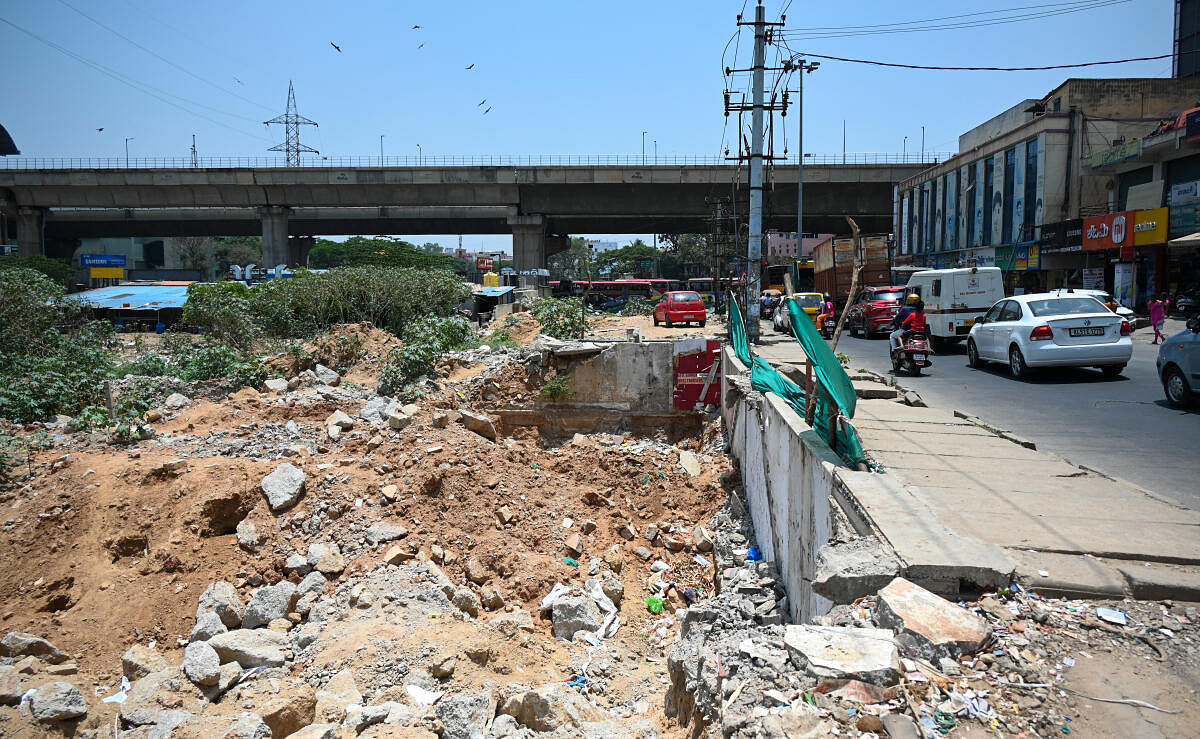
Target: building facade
1024	181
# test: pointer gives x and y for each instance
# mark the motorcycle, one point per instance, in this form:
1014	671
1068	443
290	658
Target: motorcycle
827	328
767	312
912	354
1186	302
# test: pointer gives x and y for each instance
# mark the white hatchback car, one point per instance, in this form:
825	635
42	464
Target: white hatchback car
1049	330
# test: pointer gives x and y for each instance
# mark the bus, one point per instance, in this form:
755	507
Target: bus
801	271
705	286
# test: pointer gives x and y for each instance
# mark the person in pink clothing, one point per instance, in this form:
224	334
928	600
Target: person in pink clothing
1158	314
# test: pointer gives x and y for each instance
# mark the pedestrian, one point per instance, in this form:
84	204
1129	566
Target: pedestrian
1158	315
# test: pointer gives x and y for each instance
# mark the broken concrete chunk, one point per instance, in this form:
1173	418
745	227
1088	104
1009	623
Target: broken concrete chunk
398	421
201	664
11	688
21	644
504	514
276	385
175	401
247	535
476	571
572	613
689	463
269	603
546	708
397	554
285	708
574	545
339	419
139	661
208	625
283	486
843	652
628	531
849	570
385	531
326	376
465	716
937	627
251	647
57	701
703	538
466	600
478	423
336	696
316	731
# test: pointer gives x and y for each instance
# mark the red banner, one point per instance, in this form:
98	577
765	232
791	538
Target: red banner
1108	232
484	263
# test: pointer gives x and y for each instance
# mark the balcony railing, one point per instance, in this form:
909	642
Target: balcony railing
454	160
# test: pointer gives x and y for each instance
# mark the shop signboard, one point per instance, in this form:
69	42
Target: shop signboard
1107	231
1191	124
1019	258
484	263
106	273
1184	193
1061	237
978	258
1150	227
1093	278
1118	153
1184	219
102	260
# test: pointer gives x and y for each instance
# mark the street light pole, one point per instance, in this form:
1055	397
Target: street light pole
420	156
904	151
127	140
381	149
643	148
922	143
805	68
656	152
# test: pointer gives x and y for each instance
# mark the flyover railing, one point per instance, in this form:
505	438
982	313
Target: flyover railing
453	160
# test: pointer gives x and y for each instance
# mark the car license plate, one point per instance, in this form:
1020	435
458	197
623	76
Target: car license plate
919	357
968	322
688	317
1094	331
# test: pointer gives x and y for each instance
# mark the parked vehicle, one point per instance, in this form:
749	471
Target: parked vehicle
1046	330
680	306
953	297
827	328
1102	296
912	354
833	266
810	303
1186	302
1179	365
873	310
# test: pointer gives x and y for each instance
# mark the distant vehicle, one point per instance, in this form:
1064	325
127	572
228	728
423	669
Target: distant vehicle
1047	330
1100	295
810	303
953	297
833	266
681	306
873	310
1186	302
1179	365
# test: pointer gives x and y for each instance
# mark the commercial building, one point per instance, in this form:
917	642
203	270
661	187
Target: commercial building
1018	193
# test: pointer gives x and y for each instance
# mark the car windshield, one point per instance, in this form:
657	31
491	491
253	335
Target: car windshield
1066	306
686	297
808	301
888	296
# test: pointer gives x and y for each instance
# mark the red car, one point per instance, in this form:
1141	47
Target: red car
682	306
873	309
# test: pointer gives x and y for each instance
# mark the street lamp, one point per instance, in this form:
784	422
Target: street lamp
127	140
904	151
381	149
922	143
643	148
420	156
655	151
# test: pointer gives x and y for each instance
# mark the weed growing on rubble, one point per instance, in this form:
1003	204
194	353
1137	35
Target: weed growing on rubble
501	339
424	341
637	306
557	388
191	362
561	318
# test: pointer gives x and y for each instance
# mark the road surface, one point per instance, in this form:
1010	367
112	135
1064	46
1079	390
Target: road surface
1122	427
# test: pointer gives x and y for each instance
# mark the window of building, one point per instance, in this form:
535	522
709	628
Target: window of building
1010	179
969	204
989	171
1139	176
1031	158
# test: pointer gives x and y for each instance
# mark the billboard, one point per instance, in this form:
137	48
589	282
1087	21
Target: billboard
484	263
1150	227
1108	231
102	260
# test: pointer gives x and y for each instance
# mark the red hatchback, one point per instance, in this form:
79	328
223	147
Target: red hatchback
682	306
873	309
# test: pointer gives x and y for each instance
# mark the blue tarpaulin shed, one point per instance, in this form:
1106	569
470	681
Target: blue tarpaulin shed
135	297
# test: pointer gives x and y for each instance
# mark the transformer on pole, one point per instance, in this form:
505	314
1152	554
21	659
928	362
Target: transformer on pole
291	122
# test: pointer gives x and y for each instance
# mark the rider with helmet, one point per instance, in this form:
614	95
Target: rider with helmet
910	307
827	311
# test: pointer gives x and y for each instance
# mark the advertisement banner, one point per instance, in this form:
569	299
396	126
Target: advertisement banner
1018	196
1093	278
1123	283
1150	227
904	224
1118	153
1108	231
1184	193
978	258
484	263
977	238
997	204
951	241
106	273
102	260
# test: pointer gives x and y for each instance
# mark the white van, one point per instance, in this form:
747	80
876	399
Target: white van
954	298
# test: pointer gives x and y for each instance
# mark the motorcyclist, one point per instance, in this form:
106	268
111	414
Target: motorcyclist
910	304
827	311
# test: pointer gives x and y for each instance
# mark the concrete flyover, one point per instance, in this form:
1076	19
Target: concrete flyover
538	205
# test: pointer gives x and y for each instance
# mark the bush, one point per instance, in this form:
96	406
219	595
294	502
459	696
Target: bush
562	319
58	373
223	311
57	270
424	341
192	362
637	307
557	388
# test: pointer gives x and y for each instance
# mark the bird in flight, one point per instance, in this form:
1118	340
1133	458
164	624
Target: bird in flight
235	79
336	47
99	129
472	66
489	110
420	46
481	102
415	27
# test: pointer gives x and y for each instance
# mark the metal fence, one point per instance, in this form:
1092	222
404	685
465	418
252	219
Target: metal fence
453	160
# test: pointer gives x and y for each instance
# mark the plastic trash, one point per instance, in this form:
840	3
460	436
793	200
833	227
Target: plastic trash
701	561
1112	616
659	566
577	682
120	695
753	555
654	605
570	561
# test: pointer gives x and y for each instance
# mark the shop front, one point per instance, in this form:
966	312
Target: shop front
1061	256
1131	248
1181	268
1022	267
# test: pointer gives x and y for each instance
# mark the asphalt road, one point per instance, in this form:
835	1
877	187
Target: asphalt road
1122	427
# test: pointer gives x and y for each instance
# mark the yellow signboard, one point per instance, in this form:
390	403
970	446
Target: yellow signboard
107	273
1150	227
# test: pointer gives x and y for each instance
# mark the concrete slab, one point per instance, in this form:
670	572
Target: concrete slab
1161	582
883	410
934	626
972	447
1067	575
843	652
862	423
874	390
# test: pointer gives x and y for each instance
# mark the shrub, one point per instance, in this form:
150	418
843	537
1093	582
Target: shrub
57	270
557	388
637	306
224	311
501	338
562	319
424	341
59	373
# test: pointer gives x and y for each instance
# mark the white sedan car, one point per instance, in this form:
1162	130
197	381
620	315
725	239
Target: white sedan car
1049	330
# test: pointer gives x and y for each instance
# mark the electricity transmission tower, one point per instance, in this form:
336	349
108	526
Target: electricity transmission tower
291	122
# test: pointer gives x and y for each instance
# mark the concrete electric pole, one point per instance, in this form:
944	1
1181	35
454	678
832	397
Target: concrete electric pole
804	68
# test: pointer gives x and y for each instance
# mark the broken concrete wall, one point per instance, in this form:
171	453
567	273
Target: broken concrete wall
635	377
787	472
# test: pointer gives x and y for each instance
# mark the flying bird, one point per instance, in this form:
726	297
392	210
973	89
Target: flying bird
420	46
336	47
415	27
472	66
235	79
489	110
99	129
481	102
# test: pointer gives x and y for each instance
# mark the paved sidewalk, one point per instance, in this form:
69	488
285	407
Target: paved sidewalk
1067	530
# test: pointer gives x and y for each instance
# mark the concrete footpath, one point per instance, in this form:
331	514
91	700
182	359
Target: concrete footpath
958	496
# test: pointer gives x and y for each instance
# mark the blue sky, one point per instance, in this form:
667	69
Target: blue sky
561	77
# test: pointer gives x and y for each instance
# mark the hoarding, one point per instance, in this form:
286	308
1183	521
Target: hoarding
107	273
1150	227
102	260
484	263
1108	231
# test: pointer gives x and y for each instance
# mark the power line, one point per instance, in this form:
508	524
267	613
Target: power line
158	56
984	69
803	35
998	11
139	86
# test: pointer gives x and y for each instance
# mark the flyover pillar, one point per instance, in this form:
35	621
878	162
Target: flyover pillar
298	249
529	241
274	234
30	231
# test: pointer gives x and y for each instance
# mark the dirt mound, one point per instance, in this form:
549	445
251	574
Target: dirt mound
347	348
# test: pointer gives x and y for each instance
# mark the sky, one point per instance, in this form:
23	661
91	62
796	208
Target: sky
559	77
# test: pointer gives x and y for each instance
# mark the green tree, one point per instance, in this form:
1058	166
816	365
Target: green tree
570	264
628	260
56	269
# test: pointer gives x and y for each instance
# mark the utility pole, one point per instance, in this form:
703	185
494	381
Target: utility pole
291	122
195	157
127	140
381	149
643	148
805	68
922	143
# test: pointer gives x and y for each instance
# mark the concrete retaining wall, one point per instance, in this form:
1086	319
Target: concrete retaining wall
788	475
634	377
